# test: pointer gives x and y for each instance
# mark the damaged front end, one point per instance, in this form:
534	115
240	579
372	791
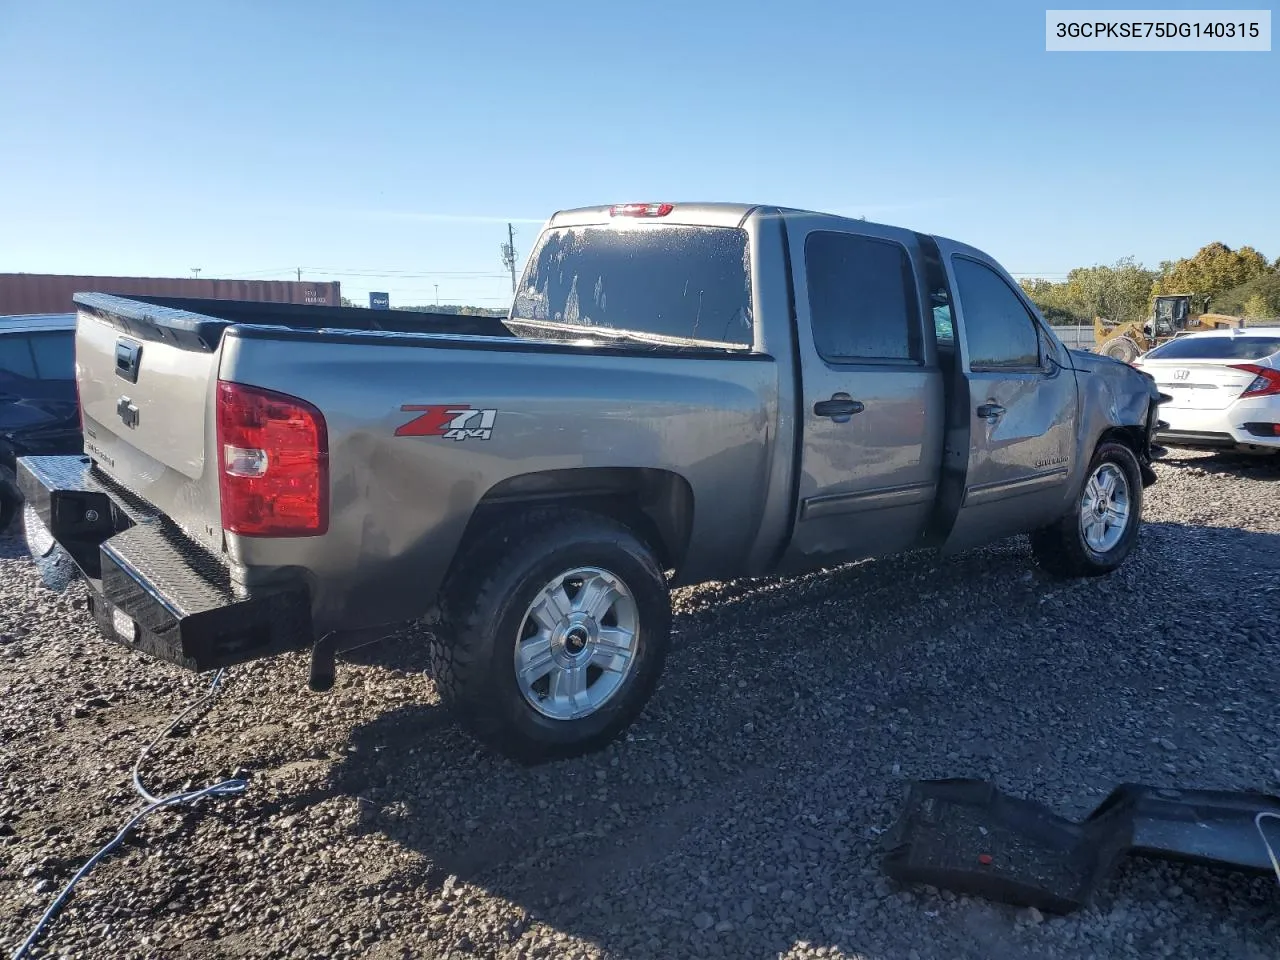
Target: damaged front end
1116	396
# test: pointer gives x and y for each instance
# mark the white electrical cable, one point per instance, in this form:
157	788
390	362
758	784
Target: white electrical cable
1257	822
229	787
196	705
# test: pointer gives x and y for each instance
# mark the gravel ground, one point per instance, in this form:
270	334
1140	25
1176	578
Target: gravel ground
739	819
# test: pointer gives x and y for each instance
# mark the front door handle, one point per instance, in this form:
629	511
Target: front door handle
839	408
991	412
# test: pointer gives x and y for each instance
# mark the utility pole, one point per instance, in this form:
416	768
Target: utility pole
299	274
195	272
509	255
437	286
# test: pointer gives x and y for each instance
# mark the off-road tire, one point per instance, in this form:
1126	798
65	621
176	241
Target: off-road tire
1060	548
484	602
1123	349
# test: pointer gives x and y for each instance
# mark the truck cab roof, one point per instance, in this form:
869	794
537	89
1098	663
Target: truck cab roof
714	213
37	323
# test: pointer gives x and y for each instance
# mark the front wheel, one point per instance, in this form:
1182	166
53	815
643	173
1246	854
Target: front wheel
553	635
1122	349
1099	530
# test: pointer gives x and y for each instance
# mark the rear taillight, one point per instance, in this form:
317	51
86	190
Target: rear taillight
640	209
1266	381
273	463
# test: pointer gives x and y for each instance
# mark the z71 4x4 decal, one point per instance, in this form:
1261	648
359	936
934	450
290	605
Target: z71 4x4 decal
453	421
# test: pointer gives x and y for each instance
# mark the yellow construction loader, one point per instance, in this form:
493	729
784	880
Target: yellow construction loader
1170	318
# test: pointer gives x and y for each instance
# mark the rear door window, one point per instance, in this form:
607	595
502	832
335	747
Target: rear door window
1224	347
55	355
16	359
862	298
685	282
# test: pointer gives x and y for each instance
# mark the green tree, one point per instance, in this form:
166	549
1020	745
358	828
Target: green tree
1215	269
1266	287
455	308
1052	299
1121	291
1256	307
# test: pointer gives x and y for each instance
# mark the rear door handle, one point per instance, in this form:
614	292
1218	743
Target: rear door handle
991	412
839	408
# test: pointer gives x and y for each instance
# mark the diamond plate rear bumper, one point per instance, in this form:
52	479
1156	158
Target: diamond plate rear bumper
181	600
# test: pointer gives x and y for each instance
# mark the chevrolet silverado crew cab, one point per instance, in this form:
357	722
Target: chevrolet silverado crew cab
679	393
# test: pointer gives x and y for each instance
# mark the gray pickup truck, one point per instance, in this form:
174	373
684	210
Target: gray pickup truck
679	393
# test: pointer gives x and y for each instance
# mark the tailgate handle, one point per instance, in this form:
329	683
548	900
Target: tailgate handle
128	358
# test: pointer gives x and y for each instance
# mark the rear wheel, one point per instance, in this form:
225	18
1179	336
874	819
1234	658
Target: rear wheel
1099	530
553	635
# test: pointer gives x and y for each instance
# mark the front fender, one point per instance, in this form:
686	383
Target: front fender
1116	397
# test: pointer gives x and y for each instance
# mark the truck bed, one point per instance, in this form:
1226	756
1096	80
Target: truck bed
200	323
550	411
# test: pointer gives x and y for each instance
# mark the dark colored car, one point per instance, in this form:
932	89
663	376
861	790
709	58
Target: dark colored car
39	410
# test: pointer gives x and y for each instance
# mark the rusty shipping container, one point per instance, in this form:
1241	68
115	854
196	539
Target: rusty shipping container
51	293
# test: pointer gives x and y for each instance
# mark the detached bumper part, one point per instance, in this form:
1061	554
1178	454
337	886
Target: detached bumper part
1151	451
965	835
150	587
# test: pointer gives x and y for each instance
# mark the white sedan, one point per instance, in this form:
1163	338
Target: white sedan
1225	386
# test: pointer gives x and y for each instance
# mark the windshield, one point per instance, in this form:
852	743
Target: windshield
670	281
1226	347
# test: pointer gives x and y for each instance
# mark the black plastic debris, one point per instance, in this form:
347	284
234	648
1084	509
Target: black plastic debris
967	836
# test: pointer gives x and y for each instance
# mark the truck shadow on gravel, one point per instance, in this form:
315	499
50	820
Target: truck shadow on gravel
12	545
742	813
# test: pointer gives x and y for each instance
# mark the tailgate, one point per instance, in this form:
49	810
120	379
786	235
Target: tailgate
146	376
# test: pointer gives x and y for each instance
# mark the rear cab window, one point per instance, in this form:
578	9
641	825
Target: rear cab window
16	358
863	303
55	355
1220	347
666	282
